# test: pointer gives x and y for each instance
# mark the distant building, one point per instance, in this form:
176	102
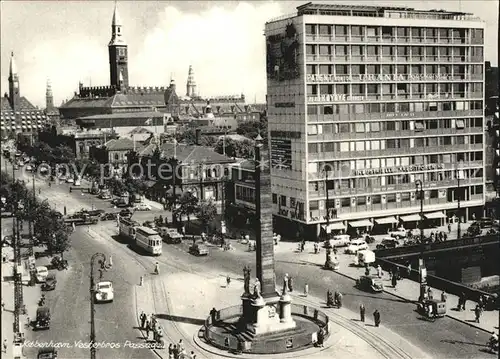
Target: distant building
18	115
120	97
51	111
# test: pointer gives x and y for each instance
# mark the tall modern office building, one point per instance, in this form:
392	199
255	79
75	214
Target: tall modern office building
364	104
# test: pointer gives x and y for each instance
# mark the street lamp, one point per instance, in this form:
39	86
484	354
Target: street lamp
103	267
421	264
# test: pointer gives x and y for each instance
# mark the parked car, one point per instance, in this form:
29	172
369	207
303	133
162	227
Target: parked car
104	292
108	217
398	233
198	249
69	180
370	283
486	222
50	282
41	274
42	320
142	207
126	213
388	243
47	353
340	240
356	245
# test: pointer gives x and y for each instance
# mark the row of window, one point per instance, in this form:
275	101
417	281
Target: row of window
475	52
418	126
414	69
393	107
390	31
449	194
396	143
346	167
245	194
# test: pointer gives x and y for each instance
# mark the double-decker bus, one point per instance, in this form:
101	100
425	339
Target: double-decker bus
142	237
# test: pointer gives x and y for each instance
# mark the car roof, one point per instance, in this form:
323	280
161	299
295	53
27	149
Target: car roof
358	241
105	282
40	268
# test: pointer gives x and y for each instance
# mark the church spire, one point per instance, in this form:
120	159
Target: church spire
13	67
118	54
191	84
116	29
49	97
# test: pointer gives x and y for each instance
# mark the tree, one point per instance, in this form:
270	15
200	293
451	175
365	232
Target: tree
251	129
60	241
64	154
206	212
187	205
240	149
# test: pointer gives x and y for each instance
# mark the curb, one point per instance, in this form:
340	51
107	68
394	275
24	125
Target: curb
470	324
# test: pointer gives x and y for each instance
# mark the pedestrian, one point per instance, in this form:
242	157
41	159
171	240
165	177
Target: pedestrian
339	300
148	328
5	346
362	311
443	296
394	281
321	338
170	350
379	271
429	293
143	319
376	317
464	300
408	270
478	312
480	301
445	237
213	314
306	290
180	345
228	281
193	355
290	282
367	270
175	351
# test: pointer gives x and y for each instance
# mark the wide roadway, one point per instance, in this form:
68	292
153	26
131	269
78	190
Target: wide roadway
444	338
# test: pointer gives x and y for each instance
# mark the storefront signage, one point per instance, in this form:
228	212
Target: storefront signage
284	104
375	171
399	114
334	98
285	134
377	77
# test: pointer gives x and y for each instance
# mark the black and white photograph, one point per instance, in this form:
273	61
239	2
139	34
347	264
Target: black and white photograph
250	179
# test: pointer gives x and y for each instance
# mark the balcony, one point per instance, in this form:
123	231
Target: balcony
393	115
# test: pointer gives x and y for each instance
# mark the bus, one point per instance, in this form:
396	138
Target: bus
142	237
149	240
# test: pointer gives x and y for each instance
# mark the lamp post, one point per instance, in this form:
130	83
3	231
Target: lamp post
421	264
103	267
458	174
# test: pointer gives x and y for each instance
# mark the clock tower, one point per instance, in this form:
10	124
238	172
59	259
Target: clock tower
14	94
118	54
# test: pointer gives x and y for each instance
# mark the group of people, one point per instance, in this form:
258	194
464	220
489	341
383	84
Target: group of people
151	324
178	351
334	299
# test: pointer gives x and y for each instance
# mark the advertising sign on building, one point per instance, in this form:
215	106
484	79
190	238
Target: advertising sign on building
377	77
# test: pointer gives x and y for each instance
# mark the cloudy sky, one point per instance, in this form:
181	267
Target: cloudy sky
66	42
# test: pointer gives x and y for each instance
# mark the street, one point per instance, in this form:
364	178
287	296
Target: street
115	321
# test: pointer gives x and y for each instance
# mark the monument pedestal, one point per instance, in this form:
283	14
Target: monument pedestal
286	311
272	315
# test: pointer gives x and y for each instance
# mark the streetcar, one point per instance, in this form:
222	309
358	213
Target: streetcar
142	237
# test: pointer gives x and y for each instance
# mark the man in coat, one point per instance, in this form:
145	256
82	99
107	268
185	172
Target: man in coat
376	317
362	311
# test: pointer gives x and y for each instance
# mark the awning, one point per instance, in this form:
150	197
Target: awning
333	226
435	215
387	220
410	218
362	223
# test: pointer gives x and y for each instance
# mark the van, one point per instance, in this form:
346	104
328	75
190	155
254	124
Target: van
340	240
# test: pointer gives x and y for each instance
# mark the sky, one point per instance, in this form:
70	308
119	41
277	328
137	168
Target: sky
66	42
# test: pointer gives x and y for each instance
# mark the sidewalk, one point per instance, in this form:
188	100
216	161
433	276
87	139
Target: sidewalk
31	295
182	314
406	289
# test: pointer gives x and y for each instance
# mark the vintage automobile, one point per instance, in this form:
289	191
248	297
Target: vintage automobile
50	282
108	217
42	318
388	243
170	235
340	240
41	274
398	233
47	353
355	246
142	207
126	213
104	292
370	283
198	249
432	308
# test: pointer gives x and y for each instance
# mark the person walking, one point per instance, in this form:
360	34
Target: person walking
430	295
379	271
362	311
192	355
339	300
394	281
376	317
157	268
449	228
443	296
175	351
228	281
171	350
143	319
464	300
306	290
148	328
478	311
290	284
321	338
408	270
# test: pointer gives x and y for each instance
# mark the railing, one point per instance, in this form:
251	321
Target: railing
436	282
439	246
229	342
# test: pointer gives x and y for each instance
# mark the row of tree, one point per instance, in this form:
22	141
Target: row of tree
48	224
187	205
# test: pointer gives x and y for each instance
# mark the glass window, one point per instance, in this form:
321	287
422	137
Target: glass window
358	89
372	69
358	69
325	30
310	29
310	49
371	31
371	50
360	127
312	130
419	126
356	30
375	145
359	108
340	30
311	69
356	50
372	89
341	70
312	147
460	124
375	126
343	109
360	146
374	108
340	50
344	146
344	128
342	89
325	49
325	69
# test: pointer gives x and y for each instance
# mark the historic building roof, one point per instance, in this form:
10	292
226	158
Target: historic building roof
187	153
121	144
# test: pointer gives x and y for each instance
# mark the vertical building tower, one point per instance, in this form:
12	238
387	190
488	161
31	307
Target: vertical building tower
49	98
14	94
191	84
118	56
363	103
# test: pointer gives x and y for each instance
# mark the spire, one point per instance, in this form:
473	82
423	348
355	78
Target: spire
49	98
13	67
191	83
48	91
117	21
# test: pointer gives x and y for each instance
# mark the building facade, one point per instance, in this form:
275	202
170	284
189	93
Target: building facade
363	102
18	115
